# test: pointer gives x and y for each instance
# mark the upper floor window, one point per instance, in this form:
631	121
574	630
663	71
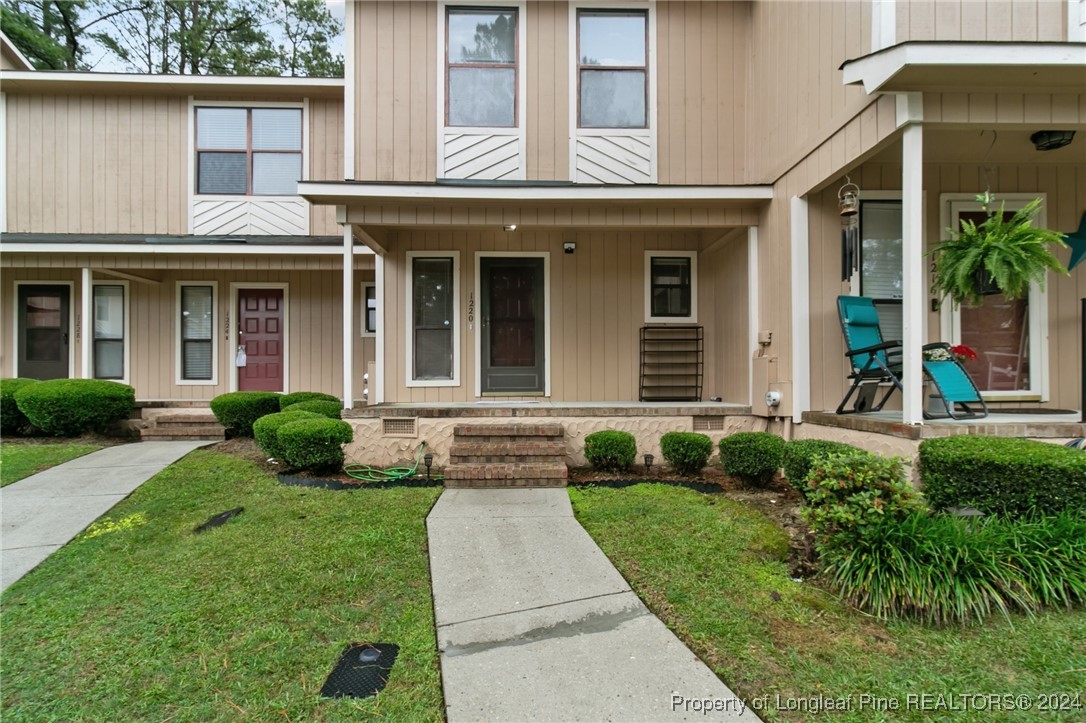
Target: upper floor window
481	67
248	151
612	69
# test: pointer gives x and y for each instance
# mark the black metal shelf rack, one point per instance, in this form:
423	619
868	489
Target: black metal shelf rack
672	363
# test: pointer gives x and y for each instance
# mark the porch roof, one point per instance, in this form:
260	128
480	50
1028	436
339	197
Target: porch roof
143	244
934	66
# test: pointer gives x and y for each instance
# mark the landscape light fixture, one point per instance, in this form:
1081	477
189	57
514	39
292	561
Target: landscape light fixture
428	460
1051	140
648	462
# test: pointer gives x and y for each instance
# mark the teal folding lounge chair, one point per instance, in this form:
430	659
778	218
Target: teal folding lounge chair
874	360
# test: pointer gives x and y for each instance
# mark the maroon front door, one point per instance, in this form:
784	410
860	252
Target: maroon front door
260	334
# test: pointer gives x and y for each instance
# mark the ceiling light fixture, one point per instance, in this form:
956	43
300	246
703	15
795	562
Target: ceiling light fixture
1051	140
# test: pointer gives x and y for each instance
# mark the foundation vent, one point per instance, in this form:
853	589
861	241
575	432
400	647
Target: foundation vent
708	424
399	426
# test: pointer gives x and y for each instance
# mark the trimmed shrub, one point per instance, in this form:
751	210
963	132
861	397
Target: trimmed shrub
850	493
67	407
314	443
12	421
1002	475
610	450
323	407
945	569
686	452
266	429
800	454
289	400
238	410
753	457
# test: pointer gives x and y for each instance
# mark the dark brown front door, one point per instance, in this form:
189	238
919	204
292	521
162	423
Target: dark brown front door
260	333
512	312
43	332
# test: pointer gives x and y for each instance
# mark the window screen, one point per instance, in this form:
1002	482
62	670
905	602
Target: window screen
481	67
612	61
197	320
432	317
109	331
880	262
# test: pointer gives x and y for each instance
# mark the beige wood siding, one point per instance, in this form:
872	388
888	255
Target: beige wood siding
597	308
325	159
703	61
95	164
395	92
564	215
549	95
1065	186
796	96
1004	108
998	20
314	323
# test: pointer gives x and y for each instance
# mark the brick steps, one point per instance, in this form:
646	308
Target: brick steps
183	427
507	455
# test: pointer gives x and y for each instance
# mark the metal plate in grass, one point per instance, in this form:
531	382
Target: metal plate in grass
220	519
362	671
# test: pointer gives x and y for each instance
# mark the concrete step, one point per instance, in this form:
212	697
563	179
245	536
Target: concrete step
507	474
181	433
501	432
520	483
520	449
185	420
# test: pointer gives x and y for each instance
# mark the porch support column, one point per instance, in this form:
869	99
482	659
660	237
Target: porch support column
753	307
801	310
377	386
348	317
912	273
86	324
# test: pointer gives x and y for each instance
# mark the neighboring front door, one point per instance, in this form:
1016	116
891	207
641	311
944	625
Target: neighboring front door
43	332
260	334
511	308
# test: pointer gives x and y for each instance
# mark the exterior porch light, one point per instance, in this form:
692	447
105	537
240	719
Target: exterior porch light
428	460
648	462
510	227
1051	140
848	198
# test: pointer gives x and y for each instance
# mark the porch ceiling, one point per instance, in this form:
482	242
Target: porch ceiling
971	67
975	145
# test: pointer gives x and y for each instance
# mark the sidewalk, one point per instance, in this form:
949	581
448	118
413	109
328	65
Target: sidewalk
535	623
44	511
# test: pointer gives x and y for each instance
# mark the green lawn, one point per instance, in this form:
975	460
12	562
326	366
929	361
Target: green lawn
18	461
152	622
712	570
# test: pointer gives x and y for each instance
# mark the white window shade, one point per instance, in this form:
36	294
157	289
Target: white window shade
108	312
277	129
221	128
482	97
276	174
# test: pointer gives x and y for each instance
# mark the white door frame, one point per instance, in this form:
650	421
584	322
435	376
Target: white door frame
73	333
950	316
546	256
234	288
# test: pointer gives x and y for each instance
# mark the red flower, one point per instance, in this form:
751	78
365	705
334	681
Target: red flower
963	352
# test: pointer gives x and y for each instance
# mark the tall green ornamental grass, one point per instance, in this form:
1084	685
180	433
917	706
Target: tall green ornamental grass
943	569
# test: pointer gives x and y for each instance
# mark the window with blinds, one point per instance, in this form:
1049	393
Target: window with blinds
880	262
197	327
248	151
109	338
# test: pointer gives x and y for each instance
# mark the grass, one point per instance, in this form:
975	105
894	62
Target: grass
714	571
152	622
18	461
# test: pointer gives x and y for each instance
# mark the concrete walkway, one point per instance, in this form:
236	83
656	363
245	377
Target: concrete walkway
535	623
44	511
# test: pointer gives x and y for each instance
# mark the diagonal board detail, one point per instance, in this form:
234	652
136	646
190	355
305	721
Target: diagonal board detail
259	217
482	156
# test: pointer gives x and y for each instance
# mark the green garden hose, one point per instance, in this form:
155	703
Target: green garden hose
389	474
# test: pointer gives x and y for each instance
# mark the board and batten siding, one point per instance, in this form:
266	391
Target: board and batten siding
992	20
325	159
97	164
314	322
1065	186
597	297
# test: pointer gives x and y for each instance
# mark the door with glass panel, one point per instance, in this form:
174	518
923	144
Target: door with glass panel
511	307
43	328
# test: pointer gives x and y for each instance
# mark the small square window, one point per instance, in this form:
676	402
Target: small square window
369	309
671	286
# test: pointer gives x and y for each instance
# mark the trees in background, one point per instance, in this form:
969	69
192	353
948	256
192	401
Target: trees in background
188	37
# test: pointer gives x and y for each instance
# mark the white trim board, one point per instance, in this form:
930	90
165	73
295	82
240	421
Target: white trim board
322	191
218	249
236	286
73	333
182	84
409	370
477	290
647	288
215	326
801	309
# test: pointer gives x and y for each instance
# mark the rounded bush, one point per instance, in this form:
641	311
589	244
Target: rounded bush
289	400
800	455
610	450
238	410
753	457
67	407
266	429
314	443
323	407
12	421
686	452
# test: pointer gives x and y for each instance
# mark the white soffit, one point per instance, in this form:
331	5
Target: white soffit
970	66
